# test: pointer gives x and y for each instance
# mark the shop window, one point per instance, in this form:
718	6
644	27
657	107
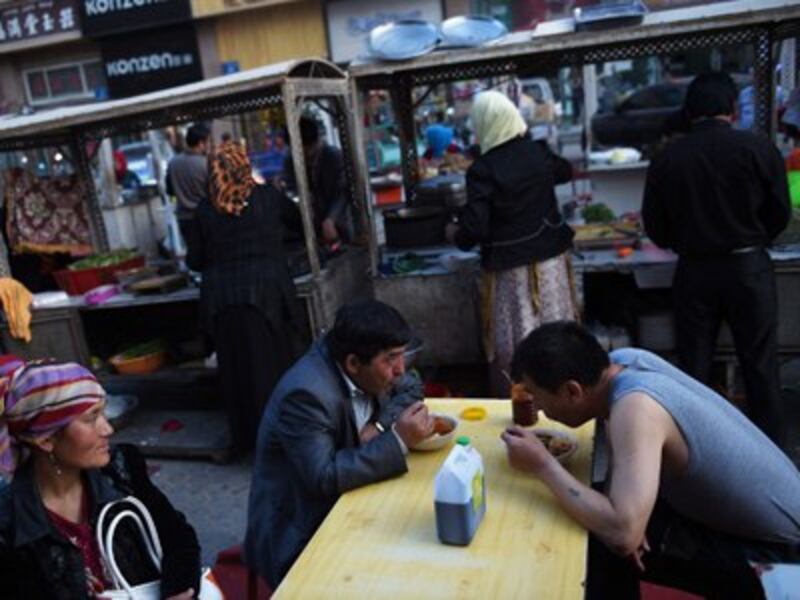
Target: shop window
54	84
37	87
65	81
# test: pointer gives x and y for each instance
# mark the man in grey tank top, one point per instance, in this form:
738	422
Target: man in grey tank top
695	491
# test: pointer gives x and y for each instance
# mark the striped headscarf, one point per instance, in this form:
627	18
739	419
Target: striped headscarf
230	178
38	399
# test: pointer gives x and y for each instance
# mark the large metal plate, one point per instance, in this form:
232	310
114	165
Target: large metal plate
604	16
471	30
402	40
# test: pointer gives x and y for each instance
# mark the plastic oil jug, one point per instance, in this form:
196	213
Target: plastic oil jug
460	494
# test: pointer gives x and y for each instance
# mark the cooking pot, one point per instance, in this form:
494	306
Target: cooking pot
415	226
449	191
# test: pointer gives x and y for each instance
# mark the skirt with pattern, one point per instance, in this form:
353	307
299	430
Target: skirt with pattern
516	301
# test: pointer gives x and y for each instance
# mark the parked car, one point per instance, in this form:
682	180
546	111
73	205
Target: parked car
542	117
638	119
141	161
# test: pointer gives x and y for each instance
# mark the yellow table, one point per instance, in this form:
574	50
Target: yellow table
380	541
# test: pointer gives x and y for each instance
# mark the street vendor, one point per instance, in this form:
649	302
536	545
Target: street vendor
695	490
512	213
187	178
326	180
718	197
342	417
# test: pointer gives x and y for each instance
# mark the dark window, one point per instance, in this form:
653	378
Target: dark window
65	81
37	85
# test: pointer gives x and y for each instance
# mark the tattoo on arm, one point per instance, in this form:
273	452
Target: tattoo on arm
574	493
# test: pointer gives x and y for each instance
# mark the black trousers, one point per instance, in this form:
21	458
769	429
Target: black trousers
740	289
252	354
688	556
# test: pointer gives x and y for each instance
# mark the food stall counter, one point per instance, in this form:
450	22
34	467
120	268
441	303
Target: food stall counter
380	541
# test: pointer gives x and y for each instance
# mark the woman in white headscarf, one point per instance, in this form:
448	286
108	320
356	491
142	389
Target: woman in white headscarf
513	215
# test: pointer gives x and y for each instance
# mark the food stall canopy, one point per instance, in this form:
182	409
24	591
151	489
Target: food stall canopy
177	104
559	36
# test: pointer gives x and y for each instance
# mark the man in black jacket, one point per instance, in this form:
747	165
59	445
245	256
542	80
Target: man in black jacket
326	179
718	197
342	417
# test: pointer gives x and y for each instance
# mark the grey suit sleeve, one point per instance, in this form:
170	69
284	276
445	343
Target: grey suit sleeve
307	429
405	392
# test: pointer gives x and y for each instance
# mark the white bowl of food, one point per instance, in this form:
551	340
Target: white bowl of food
560	443
444	430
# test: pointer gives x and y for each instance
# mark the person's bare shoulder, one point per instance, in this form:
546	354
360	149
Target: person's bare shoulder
637	418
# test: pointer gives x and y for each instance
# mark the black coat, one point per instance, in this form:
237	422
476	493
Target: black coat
37	563
243	259
511	206
714	190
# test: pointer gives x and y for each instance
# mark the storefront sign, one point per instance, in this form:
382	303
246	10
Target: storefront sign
37	19
103	17
204	8
350	21
137	64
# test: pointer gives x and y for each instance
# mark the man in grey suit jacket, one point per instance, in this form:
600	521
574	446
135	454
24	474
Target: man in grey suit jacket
342	417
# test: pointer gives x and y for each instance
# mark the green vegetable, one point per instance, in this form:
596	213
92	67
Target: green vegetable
143	349
597	213
106	259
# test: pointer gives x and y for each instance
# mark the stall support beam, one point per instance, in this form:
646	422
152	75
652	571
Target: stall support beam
356	174
403	101
96	225
764	79
293	108
362	168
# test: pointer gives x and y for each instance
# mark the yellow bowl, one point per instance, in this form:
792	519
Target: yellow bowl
139	364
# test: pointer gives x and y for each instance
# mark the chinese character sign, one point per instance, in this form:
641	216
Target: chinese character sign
28	20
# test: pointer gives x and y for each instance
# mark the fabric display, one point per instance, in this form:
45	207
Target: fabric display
46	215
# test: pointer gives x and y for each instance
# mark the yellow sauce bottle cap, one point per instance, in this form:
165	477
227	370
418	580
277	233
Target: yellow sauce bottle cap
473	413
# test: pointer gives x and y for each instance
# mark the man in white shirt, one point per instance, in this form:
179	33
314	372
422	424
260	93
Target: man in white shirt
342	417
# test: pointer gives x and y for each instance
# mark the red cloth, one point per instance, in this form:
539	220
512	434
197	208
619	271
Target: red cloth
120	165
236	580
793	160
82	537
46	214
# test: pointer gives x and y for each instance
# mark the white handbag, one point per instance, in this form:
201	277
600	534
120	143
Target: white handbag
150	590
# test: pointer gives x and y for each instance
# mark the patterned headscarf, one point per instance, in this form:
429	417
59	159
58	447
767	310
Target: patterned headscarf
496	120
37	400
230	178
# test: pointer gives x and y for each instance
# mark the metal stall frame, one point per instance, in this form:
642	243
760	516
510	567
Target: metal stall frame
289	83
759	23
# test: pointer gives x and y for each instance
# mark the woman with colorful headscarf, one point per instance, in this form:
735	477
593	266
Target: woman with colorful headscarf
54	449
512	213
247	296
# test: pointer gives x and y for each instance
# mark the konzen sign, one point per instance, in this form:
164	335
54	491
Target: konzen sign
102	7
137	64
147	64
106	17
